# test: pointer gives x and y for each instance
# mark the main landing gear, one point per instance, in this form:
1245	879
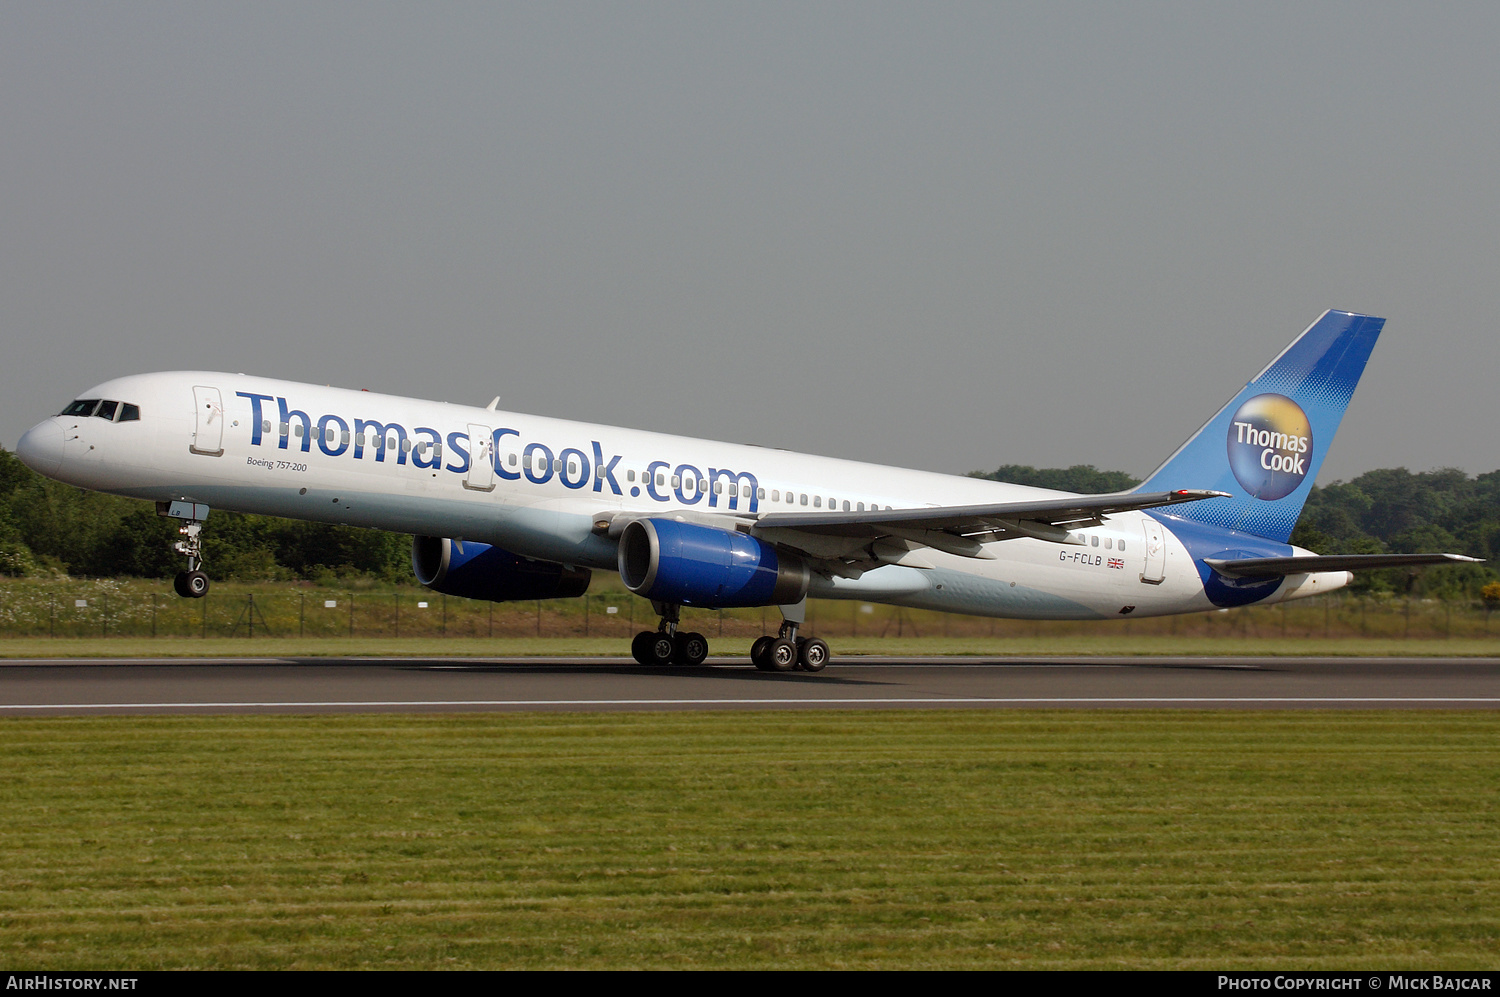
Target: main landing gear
786	651
192	583
668	645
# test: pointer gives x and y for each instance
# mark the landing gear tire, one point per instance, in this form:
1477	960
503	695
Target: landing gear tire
691	649
812	656
661	650
781	656
640	647
760	652
191	584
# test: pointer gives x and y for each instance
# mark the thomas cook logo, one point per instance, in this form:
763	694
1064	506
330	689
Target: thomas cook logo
1270	443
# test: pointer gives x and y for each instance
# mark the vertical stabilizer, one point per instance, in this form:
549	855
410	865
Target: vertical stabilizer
1265	447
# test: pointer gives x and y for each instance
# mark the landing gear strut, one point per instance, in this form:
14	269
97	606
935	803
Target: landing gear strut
668	645
192	583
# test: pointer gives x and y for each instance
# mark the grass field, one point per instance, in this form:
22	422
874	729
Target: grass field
852	839
278	614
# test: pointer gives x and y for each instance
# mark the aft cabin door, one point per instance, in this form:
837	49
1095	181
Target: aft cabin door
1156	552
208	425
481	476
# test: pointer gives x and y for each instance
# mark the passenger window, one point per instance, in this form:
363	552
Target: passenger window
629	475
661	479
130	413
511	460
406	448
297	430
718	488
861	507
1122	545
265	424
1108	543
1093	541
107	410
676	481
804	498
775	494
760	493
744	491
572	467
817	501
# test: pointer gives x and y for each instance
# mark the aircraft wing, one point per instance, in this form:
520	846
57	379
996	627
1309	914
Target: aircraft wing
961	529
1270	567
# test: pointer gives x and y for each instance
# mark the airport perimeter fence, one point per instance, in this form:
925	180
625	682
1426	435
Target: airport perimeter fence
143	609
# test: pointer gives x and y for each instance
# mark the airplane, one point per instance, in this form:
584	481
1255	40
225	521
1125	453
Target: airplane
505	506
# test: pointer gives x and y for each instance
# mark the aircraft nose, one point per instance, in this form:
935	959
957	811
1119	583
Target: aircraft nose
41	447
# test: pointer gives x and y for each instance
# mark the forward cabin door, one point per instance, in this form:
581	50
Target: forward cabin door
208	423
481	476
1156	552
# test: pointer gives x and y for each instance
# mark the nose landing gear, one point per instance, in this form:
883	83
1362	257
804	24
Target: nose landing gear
192	583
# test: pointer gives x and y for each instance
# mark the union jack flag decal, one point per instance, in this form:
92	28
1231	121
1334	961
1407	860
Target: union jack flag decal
1117	562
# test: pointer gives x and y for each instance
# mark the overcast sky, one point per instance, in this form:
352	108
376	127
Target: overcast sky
945	236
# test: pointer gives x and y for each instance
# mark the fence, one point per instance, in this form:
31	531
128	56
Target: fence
143	610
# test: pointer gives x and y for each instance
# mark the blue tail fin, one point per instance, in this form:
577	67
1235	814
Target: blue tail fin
1265	447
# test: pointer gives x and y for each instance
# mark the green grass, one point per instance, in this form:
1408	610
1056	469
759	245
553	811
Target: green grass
947	839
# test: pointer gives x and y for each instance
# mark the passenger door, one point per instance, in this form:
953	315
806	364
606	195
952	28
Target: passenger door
208	423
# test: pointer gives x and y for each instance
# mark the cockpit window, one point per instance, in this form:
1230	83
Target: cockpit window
130	413
84	406
107	410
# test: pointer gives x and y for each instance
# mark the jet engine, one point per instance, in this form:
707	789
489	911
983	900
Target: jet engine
480	571
693	565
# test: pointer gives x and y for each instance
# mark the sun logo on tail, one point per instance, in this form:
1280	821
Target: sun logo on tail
1270	445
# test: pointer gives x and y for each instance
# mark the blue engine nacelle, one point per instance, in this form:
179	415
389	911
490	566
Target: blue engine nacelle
479	571
693	565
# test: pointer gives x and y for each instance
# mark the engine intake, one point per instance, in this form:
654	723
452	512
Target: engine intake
693	565
480	571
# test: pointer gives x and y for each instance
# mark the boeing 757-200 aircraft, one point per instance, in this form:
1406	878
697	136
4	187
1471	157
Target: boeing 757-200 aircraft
506	506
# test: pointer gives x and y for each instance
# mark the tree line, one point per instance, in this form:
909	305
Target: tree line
49	528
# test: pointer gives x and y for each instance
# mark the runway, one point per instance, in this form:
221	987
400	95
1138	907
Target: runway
71	687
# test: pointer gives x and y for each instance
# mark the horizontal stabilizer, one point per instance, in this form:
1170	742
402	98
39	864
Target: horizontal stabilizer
1266	567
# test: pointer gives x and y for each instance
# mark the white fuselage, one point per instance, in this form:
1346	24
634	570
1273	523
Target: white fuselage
335	455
